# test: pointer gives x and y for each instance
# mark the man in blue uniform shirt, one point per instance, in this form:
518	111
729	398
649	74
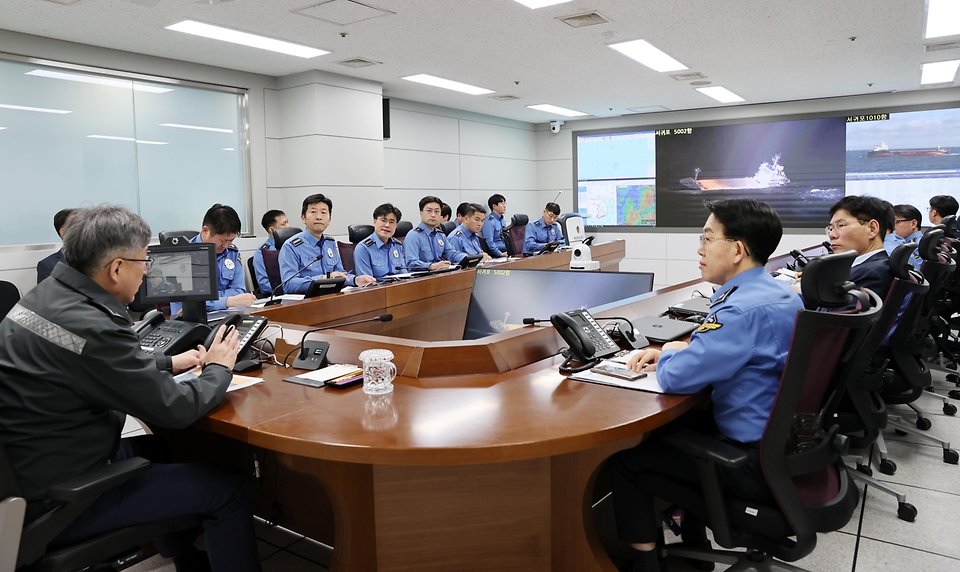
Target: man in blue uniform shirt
906	228
380	254
46	266
221	225
426	247
310	254
493	227
739	352
543	230
465	238
271	219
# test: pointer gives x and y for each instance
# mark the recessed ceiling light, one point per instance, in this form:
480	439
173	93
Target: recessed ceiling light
540	3
130	139
2	128
721	94
447	84
557	110
228	149
939	72
37	109
197	127
943	18
122	83
648	55
245	39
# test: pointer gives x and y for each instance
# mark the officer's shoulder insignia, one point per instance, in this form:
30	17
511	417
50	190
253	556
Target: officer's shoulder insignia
265	246
709	324
723	297
233	247
536	223
490	217
459	233
418	229
368	242
296	241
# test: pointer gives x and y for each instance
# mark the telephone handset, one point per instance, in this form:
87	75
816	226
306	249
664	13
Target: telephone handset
174	337
587	341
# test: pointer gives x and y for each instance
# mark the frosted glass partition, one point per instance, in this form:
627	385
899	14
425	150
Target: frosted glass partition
71	138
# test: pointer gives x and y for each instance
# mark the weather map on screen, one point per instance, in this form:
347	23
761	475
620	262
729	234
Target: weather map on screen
616	179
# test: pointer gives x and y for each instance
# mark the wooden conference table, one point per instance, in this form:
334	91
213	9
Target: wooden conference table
483	457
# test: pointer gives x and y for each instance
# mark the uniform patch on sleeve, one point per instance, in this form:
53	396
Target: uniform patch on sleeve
296	241
47	329
536	223
709	324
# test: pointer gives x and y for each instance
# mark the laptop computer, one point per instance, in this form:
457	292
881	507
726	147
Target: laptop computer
692	307
662	330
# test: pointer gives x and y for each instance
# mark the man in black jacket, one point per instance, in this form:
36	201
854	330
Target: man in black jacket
46	266
860	224
71	367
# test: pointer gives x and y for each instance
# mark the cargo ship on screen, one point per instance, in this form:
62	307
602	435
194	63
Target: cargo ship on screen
769	175
882	150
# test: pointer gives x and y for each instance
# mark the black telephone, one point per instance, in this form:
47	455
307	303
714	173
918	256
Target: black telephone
173	337
587	340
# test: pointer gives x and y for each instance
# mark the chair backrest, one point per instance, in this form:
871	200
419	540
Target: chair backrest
281	235
448	227
251	278
12	511
514	232
346	253
166	235
826	281
356	233
403	227
9	296
271	261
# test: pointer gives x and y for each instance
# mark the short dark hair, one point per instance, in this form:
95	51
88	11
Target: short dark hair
867	209
553	207
909	212
60	219
445	211
751	221
385	209
473	208
222	219
462	209
430	199
314	199
270	218
945	205
495	200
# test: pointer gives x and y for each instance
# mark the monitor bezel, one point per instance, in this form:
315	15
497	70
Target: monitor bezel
185	247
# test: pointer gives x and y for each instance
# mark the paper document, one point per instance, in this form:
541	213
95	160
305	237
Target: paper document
260	302
238	381
328	373
648	383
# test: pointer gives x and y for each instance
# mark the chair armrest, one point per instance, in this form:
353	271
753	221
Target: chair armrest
706	448
98	480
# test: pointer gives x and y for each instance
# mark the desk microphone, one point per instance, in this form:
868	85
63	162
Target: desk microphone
532	321
313	354
826	244
801	259
280	286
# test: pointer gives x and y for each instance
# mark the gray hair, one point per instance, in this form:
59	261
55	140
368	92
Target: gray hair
97	235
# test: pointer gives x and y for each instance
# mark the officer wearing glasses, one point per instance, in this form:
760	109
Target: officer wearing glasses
860	224
543	230
906	228
380	254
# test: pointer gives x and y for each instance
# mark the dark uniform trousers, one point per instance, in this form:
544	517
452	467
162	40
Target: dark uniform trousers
634	472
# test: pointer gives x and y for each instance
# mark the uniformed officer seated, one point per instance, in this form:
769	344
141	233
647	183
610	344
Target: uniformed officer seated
71	367
906	228
271	219
739	351
465	238
941	206
221	225
445	212
157	284
310	254
543	230
493	227
461	212
45	266
426	247
380	254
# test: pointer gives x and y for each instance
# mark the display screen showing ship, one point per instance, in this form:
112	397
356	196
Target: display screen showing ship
616	174
904	157
797	167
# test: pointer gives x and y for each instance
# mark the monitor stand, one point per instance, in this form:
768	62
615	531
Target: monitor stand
194	311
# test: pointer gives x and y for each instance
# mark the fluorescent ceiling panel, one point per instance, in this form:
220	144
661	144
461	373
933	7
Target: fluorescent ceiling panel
228	149
447	84
131	139
37	109
557	110
122	83
540	3
196	127
721	94
943	18
648	55
939	72
245	39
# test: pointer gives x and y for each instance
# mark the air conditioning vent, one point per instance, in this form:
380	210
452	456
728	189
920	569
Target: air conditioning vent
699	83
650	109
342	12
504	97
941	46
64	2
688	76
584	20
358	63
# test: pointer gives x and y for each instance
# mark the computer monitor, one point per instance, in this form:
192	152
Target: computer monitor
185	273
503	297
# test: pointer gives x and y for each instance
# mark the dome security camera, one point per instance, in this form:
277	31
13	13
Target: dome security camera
555	125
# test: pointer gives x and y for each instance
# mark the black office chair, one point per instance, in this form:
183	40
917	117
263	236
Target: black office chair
281	235
166	235
116	549
9	296
346	253
448	227
358	232
403	227
800	456
513	234
252	273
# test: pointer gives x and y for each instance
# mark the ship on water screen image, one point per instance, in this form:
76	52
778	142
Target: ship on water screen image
798	167
905	158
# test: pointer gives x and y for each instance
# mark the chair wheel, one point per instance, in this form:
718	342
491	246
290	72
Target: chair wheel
924	423
949	409
865	469
900	432
950	456
907	512
888	467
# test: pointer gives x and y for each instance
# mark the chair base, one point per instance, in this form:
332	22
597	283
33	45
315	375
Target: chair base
751	561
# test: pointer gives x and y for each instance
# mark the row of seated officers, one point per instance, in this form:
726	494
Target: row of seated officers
71	367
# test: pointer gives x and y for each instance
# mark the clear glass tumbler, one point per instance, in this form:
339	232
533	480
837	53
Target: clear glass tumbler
378	371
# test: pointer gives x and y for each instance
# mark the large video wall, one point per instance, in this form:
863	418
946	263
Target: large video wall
660	177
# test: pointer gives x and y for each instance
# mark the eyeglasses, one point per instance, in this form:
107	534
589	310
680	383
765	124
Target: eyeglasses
383	220
708	239
432	211
148	262
900	220
841	224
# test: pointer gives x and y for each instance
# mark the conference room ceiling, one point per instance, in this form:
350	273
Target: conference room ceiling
762	50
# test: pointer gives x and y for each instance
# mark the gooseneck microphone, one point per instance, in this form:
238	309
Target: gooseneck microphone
280	286
800	257
532	321
313	353
826	244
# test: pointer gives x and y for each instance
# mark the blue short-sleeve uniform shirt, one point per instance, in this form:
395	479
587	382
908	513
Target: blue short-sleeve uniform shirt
422	247
538	234
374	257
462	240
230	280
299	251
492	234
